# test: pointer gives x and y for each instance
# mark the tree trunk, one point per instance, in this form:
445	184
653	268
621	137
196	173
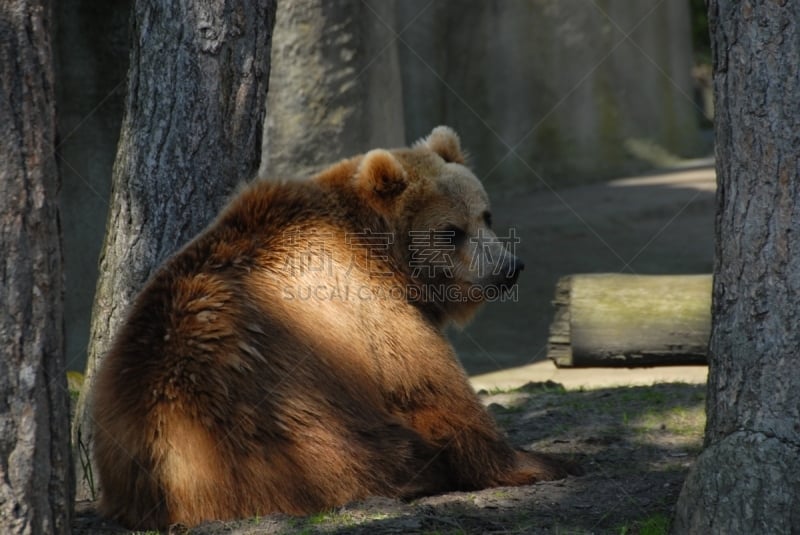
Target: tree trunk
35	475
194	111
335	87
747	479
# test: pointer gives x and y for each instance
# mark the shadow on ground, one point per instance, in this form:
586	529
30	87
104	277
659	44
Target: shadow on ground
635	445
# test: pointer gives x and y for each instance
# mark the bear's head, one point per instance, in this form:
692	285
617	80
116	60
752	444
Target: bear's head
441	223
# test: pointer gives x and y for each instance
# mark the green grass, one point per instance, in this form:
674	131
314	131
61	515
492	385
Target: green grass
529	388
682	421
321	518
332	519
658	524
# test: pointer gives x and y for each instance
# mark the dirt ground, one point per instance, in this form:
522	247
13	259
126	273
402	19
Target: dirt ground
634	444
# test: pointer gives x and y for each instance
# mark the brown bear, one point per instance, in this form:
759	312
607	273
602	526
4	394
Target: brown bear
291	358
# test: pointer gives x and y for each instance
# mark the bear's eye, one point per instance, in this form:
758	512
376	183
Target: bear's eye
455	234
487	218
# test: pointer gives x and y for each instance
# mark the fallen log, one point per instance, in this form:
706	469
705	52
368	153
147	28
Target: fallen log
630	320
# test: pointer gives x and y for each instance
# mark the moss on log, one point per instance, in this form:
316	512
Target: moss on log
630	320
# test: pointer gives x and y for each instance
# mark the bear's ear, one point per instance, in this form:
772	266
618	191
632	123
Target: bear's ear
445	142
381	175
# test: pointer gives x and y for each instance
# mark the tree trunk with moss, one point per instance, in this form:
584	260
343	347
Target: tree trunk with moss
197	86
35	474
747	479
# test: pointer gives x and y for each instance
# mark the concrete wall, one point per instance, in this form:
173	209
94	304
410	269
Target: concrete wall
91	51
557	80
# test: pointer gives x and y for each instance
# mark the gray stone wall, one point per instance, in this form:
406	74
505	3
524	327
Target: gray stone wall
91	54
580	90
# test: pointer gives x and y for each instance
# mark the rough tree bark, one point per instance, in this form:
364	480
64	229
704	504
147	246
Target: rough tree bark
747	479
197	86
35	475
335	87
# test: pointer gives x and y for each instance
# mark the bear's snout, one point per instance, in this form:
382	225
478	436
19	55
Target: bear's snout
518	266
505	272
515	265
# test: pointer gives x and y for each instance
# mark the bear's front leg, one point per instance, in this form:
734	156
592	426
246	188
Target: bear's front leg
466	439
530	467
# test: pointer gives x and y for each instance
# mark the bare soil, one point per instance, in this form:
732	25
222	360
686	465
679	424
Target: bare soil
635	445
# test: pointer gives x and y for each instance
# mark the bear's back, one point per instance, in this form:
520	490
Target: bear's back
222	383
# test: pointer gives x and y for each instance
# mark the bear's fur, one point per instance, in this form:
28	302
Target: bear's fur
291	358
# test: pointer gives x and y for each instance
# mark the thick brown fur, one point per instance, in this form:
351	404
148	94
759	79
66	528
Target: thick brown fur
276	364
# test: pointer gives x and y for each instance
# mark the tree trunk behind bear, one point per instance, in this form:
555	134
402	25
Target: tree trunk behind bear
747	479
192	128
335	88
35	474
